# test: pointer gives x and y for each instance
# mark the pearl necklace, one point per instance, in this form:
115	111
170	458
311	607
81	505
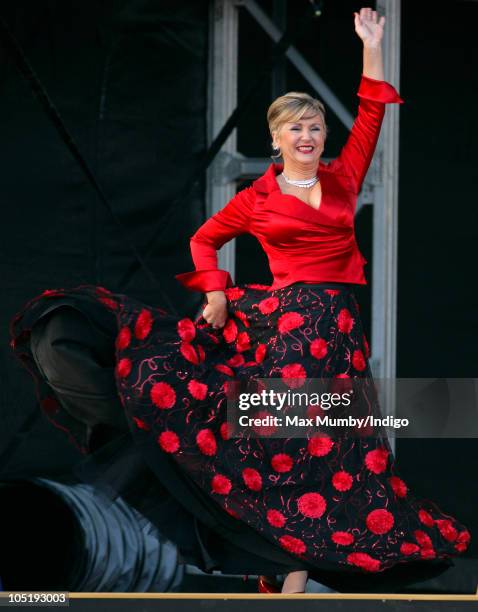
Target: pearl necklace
305	183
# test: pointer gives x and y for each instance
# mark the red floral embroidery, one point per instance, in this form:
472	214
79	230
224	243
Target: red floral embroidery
224	369
364	561
123	339
399	487
358	361
445	527
197	389
108	302
143	324
320	445
206	442
242	317
332	292
289	321
427	553
281	462
260	354
342	538
293	545
318	348
408	548
275	518
342	481
252	478
345	321
234	293
376	460
163	395
189	353
230	331
223	430
422	538
379	521
243	342
168	441
269	305
293	375
366	346
201	353
124	367
312	505
462	540
140	424
426	518
236	360
221	484
186	330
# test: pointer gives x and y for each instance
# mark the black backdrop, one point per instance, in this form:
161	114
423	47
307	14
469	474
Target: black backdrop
129	79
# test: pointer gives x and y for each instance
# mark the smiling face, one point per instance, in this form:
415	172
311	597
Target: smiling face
301	141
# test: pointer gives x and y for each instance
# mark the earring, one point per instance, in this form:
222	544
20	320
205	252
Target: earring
276	152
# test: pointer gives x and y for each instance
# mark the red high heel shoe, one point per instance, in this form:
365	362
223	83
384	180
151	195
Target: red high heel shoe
266	585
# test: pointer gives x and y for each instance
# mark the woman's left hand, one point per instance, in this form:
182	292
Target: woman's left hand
369	27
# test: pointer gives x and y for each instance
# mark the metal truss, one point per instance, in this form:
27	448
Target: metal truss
381	183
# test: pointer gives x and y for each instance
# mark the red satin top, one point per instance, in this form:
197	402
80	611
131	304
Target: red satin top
302	244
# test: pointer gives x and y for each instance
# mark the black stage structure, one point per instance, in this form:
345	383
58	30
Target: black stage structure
128	81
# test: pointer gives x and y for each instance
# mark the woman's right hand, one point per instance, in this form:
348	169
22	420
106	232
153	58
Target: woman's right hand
215	312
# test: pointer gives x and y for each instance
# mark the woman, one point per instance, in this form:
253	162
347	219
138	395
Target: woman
259	505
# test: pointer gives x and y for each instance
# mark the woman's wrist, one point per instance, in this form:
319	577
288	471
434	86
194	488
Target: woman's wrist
213	296
373	61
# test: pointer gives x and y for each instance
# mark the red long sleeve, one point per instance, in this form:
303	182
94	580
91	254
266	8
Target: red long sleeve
229	222
358	151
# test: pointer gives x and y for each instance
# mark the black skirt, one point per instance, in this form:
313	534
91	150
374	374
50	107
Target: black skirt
150	419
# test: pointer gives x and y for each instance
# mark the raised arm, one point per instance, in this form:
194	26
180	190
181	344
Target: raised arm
374	93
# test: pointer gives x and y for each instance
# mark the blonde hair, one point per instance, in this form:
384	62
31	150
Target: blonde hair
291	107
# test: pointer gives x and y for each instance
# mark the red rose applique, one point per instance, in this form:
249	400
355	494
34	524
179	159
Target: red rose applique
281	462
140	424
312	505
243	342
408	548
445	527
427	553
143	324
426	518
320	445
345	321
342	538
342	480
197	389
276	518
376	460
462	540
293	545
124	367
242	317
269	305
289	321
224	369
168	441
123	338
422	538
399	487
358	361
230	331
294	375
318	348
252	479
189	352
206	442
260	354
223	431
221	484
163	395
379	521
234	293
186	330
364	561
236	361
